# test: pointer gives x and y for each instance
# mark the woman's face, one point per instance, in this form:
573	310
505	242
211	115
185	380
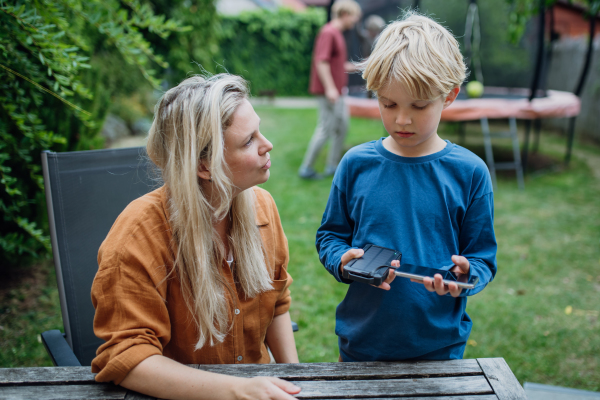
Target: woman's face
246	149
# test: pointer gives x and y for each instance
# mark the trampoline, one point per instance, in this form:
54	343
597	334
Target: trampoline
496	103
532	104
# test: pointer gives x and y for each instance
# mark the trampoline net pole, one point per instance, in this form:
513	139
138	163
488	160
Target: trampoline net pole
579	89
535	84
525	152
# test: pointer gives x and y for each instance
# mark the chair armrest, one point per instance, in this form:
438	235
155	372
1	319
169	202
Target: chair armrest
59	350
294	327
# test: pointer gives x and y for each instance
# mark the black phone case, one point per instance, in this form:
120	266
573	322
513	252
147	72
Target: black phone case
372	267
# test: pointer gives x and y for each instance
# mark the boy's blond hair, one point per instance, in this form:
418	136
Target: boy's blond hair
418	52
345	7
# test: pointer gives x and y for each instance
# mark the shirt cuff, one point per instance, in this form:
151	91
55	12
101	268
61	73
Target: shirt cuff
117	368
335	269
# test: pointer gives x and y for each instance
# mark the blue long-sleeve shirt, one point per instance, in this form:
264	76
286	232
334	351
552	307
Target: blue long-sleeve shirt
429	208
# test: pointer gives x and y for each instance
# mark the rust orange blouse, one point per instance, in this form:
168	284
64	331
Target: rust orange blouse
139	314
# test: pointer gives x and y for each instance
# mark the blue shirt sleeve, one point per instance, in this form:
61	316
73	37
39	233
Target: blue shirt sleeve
334	237
477	242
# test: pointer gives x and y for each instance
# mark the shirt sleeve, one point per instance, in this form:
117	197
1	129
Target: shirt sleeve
477	242
334	236
324	46
128	294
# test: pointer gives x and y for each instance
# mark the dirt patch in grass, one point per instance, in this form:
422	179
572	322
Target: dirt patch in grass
536	162
20	287
29	305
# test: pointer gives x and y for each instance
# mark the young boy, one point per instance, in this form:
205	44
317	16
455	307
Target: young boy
413	192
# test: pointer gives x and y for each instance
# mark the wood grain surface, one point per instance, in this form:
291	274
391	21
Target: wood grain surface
98	391
480	379
394	387
501	379
359	370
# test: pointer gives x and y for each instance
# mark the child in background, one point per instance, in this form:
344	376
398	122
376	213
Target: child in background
413	192
329	81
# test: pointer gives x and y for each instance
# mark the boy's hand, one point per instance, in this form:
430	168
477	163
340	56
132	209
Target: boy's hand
358	253
437	285
332	94
350	67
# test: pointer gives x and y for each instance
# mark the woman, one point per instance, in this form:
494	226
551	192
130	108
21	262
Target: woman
195	271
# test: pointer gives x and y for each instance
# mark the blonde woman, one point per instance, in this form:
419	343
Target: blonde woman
195	271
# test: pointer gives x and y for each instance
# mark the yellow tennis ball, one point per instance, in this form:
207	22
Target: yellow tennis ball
474	89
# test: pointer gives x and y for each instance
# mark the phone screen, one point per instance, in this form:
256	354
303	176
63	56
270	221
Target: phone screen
417	272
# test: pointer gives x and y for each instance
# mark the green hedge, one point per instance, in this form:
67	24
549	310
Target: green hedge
184	51
272	50
60	64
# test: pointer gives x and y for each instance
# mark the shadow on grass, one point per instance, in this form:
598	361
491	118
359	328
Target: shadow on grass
537	163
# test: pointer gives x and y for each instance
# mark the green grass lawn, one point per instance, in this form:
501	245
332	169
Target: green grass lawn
540	313
548	259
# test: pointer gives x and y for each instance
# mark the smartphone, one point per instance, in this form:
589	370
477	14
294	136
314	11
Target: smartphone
418	273
373	266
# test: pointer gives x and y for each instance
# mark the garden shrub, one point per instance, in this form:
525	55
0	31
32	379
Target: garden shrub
185	51
271	49
61	61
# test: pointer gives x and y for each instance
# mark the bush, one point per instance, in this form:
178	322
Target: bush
272	50
60	61
184	51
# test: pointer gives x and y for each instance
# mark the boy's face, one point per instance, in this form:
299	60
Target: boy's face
349	20
412	124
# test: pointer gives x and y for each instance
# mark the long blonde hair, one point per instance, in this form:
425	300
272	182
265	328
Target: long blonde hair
188	128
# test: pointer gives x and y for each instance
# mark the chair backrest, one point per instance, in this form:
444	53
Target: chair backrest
85	192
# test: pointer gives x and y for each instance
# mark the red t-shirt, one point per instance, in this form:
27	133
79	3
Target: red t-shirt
329	46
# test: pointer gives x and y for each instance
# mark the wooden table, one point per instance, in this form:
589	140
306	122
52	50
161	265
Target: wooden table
479	379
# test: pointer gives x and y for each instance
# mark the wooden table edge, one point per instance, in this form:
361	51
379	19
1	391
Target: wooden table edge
501	378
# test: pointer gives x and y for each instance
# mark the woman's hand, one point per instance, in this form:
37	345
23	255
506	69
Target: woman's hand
266	388
159	376
358	253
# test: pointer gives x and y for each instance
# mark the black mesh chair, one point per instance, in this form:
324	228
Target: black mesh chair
85	193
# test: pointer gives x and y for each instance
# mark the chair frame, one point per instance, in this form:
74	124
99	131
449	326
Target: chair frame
58	345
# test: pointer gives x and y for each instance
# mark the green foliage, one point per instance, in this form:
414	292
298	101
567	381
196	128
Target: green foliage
54	58
523	10
272	50
185	50
503	63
